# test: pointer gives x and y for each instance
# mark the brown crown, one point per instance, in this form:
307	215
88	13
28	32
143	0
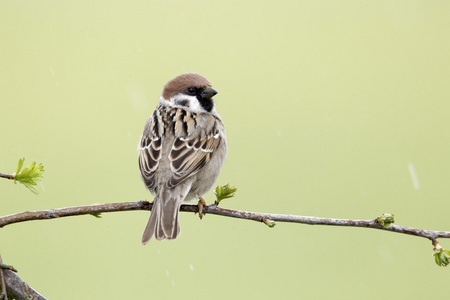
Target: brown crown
182	82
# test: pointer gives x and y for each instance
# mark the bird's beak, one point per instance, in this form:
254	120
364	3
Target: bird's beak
208	92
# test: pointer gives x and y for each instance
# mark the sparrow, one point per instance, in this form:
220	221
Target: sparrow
181	151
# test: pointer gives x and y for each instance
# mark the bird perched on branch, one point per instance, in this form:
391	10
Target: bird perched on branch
181	151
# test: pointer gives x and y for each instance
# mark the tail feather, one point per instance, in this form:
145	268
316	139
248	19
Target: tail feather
172	230
153	225
163	222
169	217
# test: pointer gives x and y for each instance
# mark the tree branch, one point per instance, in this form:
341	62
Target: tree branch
3	294
95	210
16	288
19	289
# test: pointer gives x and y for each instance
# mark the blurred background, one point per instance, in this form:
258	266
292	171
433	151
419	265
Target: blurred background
331	109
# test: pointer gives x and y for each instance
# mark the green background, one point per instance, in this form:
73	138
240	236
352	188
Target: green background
328	105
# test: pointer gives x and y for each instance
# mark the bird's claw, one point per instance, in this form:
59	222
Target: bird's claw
201	203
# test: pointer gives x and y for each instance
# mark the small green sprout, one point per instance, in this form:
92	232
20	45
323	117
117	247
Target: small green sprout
269	222
97	215
29	176
224	192
386	220
441	256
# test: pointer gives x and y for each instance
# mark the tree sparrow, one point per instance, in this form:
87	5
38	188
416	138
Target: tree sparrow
181	151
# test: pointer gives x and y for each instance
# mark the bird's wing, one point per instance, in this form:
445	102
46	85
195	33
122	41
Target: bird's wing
189	155
149	156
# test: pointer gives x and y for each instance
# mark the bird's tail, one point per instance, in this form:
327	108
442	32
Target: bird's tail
163	223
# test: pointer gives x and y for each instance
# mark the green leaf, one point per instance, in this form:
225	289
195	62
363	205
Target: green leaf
224	192
29	176
19	165
441	256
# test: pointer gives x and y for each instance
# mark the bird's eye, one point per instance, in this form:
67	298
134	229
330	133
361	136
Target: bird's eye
191	90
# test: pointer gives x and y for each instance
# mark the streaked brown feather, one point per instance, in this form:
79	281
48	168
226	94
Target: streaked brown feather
188	156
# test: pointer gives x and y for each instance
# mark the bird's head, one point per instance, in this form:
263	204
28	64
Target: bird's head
190	91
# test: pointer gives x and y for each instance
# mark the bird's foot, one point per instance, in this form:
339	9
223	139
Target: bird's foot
201	203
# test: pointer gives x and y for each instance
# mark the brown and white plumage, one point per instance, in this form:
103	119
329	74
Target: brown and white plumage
181	151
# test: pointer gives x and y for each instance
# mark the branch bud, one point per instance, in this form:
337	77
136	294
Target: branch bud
96	214
441	256
29	176
385	220
224	192
269	222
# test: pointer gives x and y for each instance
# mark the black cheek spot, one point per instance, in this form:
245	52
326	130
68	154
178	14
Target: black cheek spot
183	103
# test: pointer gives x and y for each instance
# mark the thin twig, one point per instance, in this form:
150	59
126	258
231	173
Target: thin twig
214	209
7	176
7	267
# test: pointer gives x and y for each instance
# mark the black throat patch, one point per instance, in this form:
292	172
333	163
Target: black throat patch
207	104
